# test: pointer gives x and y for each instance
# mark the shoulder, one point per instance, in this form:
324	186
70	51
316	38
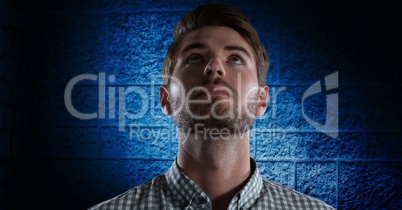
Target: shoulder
281	197
139	197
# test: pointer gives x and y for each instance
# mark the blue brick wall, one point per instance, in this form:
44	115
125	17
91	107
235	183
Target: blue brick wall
51	159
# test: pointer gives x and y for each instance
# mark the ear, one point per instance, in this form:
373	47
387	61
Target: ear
263	97
164	100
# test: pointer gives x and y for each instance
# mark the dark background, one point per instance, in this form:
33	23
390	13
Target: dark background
52	160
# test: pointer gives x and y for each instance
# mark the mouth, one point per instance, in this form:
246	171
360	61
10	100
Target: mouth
218	90
214	91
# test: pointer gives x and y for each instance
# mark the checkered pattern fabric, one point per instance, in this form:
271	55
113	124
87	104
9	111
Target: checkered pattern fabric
174	190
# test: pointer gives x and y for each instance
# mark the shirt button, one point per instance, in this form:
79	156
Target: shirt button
202	200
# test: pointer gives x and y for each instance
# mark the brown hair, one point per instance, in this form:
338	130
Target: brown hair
217	15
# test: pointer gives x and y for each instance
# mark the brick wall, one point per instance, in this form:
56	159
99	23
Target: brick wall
52	159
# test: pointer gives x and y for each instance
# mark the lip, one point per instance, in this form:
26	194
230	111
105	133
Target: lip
217	90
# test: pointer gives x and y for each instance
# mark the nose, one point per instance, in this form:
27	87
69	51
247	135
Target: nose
214	69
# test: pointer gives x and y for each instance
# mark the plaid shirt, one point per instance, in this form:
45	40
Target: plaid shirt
174	190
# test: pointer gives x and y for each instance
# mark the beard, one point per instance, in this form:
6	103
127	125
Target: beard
228	114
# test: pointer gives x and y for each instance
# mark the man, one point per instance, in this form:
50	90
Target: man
214	74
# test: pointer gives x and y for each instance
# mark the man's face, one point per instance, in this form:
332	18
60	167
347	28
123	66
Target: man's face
214	82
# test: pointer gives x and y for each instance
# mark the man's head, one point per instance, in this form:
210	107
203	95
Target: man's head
216	67
216	15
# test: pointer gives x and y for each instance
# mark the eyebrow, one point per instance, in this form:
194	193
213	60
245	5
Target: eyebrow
238	48
202	46
192	46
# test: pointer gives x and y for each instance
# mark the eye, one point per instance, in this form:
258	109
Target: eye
235	59
194	59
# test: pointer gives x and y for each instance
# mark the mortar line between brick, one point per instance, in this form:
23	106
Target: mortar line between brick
295	161
68	157
295	175
175	10
333	160
268	84
255	148
107	46
337	184
279	47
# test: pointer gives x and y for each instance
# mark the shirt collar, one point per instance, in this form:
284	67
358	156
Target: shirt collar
185	190
188	192
252	190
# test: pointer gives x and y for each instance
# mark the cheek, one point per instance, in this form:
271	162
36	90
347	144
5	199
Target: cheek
180	87
186	80
249	87
176	89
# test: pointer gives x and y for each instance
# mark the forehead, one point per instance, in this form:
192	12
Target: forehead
215	36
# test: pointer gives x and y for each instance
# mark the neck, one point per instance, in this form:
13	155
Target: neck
220	167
